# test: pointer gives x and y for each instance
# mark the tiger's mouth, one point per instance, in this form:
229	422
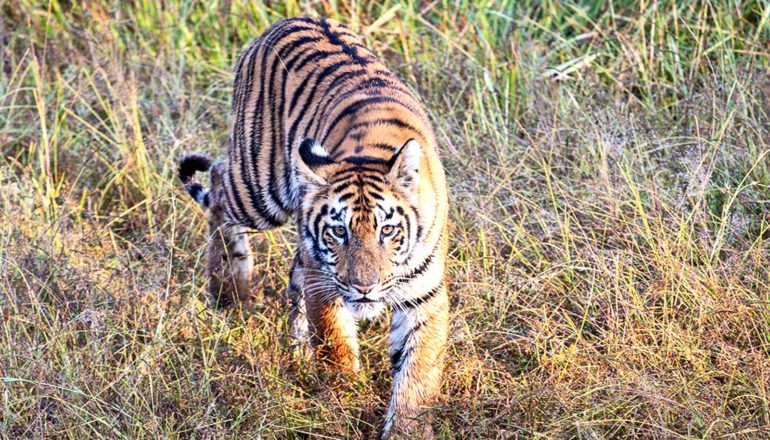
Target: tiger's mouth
381	294
352	297
357	298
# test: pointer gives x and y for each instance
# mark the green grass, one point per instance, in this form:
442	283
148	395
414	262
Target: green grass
609	168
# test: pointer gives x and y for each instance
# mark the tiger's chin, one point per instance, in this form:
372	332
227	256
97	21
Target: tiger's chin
364	310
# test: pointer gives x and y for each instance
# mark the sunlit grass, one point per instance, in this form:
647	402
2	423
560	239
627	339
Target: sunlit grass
609	168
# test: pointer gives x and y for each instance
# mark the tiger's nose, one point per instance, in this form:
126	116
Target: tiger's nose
364	289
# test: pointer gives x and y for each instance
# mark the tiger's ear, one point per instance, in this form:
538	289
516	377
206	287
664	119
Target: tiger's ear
404	171
314	162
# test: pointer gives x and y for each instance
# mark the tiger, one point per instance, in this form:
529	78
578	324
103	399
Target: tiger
323	133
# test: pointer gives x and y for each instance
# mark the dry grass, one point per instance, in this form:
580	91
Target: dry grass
610	181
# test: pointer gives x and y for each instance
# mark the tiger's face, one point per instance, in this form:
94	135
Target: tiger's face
359	223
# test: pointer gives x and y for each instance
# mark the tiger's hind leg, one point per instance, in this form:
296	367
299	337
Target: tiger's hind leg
298	325
229	262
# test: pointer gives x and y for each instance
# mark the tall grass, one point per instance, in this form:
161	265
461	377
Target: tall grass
609	168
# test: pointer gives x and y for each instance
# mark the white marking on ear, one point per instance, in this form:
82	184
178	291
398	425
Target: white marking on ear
319	150
311	160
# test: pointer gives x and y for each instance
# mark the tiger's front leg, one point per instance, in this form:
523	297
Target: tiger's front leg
417	350
333	329
229	262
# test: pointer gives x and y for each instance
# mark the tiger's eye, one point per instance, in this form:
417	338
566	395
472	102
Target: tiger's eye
387	230
339	231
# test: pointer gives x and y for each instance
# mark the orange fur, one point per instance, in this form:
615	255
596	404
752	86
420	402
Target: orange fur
323	132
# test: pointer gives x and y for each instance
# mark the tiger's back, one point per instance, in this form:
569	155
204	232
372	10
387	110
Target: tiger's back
323	132
314	78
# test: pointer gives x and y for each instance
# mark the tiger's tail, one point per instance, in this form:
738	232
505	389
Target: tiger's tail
188	166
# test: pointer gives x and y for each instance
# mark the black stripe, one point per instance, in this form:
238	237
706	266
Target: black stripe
398	357
365	160
351	51
298	92
345	197
416	302
357	178
239	138
255	141
362	201
419	270
375	82
247	156
292	20
268	43
372	186
368	81
365	124
342	186
317	221
430	227
276	113
345	175
388	121
373	178
233	197
321	76
387	147
383	72
316	252
308	216
419	226
309	58
408	223
330	97
288	145
337	216
356	169
361	182
357	105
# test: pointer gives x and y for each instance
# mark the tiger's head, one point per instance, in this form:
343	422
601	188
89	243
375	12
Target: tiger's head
359	221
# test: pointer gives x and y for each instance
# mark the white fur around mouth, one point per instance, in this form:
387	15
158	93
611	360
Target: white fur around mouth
365	310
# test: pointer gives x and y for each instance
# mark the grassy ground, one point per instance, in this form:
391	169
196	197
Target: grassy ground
610	181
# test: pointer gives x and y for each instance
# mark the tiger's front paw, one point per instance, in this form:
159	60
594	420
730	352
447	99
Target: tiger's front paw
402	427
